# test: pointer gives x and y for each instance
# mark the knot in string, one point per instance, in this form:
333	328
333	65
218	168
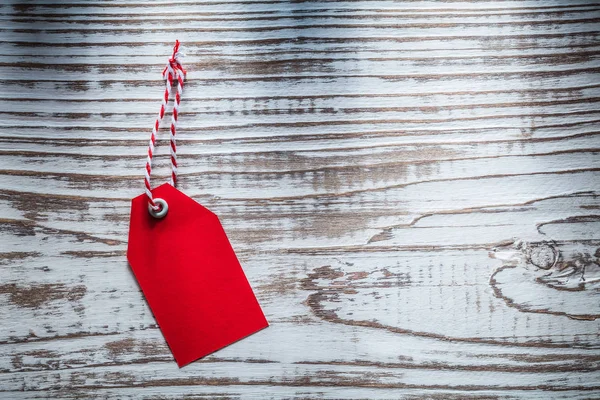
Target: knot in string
173	71
174	66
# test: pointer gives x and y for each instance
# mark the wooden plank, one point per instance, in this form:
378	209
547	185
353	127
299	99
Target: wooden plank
412	188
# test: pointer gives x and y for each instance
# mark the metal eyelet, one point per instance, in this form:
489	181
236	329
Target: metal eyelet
162	211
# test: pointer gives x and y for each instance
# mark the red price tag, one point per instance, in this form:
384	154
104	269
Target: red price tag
191	277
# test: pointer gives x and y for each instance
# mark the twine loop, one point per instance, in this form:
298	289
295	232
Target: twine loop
173	72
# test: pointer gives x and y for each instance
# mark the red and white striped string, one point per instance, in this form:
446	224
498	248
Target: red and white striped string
173	71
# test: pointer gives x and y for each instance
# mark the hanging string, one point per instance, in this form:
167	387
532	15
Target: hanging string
172	72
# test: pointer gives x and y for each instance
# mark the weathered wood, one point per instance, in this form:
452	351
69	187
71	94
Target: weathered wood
412	189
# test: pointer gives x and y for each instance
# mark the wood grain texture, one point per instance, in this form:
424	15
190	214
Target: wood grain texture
412	187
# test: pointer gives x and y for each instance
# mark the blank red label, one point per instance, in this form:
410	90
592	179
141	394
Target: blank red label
191	277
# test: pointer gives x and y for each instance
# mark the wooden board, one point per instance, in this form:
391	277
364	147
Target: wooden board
412	188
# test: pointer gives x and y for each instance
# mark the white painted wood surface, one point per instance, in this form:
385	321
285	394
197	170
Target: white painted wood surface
411	186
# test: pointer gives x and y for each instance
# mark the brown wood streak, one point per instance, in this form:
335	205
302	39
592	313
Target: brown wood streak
591	34
308	26
528	91
106	18
35	296
22	8
291	77
411	188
